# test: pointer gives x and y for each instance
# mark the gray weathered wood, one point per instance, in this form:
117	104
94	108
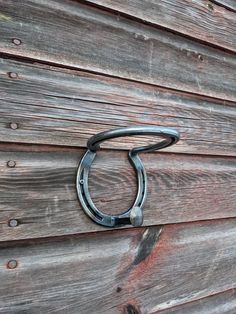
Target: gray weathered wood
220	303
40	190
141	270
63	107
199	19
53	258
76	35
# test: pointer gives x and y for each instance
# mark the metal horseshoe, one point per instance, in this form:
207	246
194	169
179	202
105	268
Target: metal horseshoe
133	215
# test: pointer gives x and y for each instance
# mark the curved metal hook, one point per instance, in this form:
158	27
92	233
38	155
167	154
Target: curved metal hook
133	215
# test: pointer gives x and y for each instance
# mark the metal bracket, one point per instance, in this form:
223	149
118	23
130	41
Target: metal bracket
133	215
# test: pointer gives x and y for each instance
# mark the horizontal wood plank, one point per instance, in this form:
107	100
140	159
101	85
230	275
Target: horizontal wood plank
64	107
142	270
203	20
72	34
220	303
39	191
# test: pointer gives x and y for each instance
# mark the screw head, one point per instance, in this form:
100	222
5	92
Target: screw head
11	164
200	57
13	75
13	223
16	41
13	125
12	264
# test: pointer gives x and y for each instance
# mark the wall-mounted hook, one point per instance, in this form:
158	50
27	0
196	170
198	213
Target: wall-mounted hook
133	215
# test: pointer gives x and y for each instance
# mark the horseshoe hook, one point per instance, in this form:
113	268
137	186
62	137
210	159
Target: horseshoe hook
133	215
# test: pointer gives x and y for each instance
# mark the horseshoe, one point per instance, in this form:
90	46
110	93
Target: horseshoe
133	215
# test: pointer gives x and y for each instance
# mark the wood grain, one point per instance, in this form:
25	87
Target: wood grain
203	20
65	107
40	190
141	270
75	35
220	303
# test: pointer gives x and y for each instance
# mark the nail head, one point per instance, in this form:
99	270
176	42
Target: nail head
12	264
16	41
136	216
11	164
13	223
13	75
13	125
200	57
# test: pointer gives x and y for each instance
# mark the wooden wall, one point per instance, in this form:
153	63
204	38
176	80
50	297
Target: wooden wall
70	69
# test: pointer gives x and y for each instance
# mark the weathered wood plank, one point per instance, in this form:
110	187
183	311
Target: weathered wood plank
40	190
200	19
133	271
64	107
73	34
221	303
